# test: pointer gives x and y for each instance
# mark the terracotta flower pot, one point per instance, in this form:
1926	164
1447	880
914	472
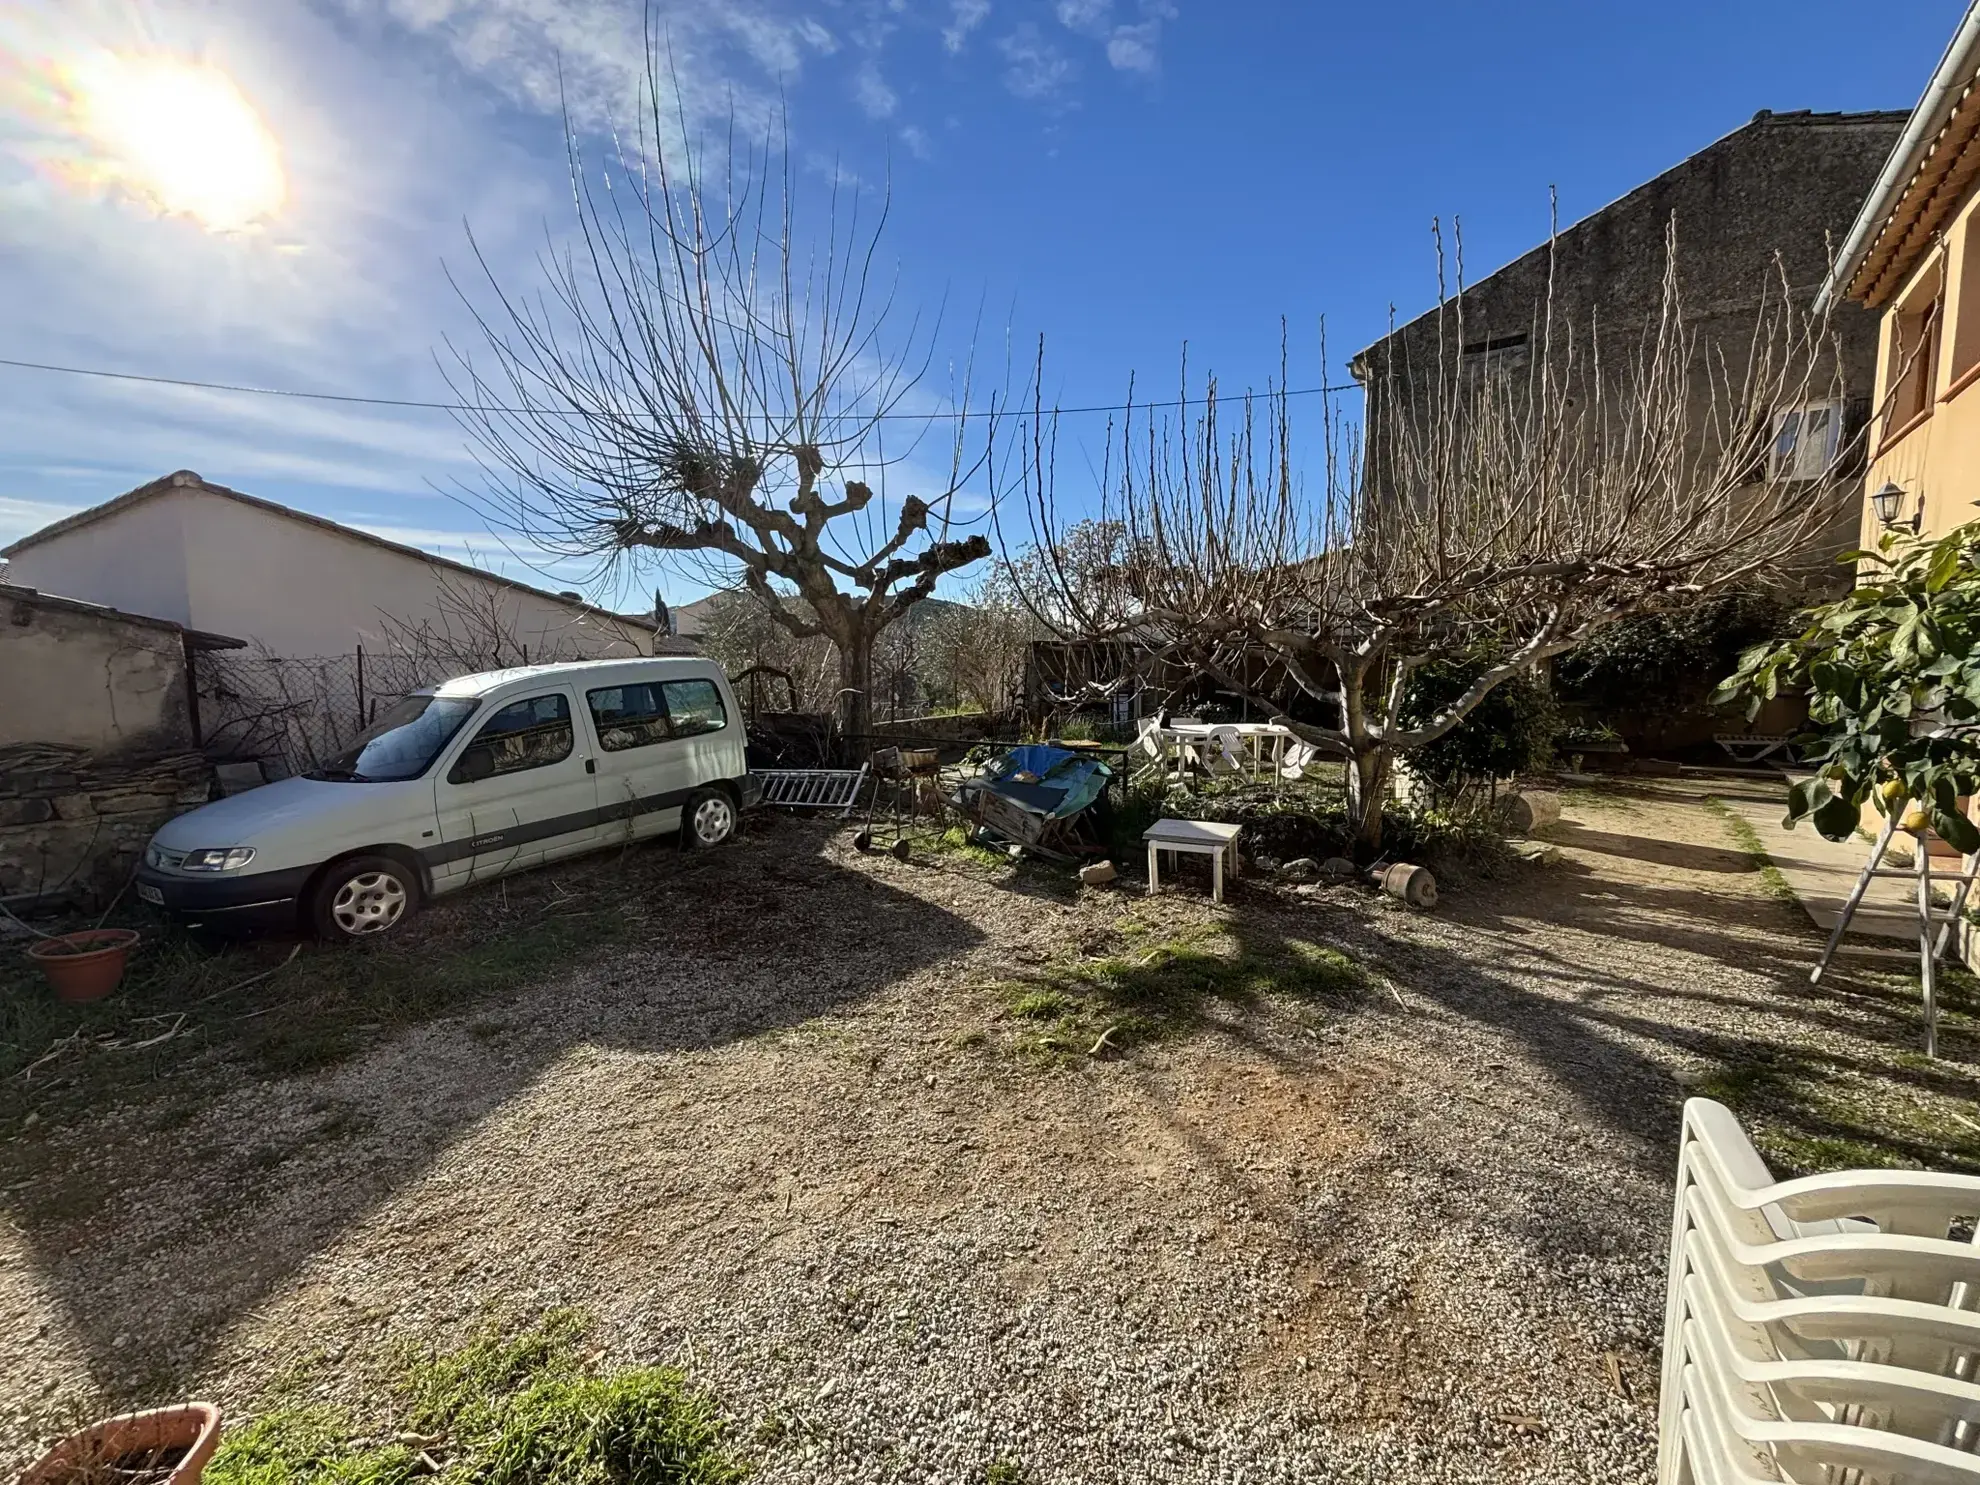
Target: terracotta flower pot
84	966
162	1446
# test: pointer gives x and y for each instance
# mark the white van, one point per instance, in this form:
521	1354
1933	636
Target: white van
480	776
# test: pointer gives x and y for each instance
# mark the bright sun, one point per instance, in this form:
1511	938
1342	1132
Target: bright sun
180	136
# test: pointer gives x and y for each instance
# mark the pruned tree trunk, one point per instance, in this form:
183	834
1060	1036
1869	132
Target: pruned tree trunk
1367	792
856	686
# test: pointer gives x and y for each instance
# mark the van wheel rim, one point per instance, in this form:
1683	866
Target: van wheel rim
713	820
369	902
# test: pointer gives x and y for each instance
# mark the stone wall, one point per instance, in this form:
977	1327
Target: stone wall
73	825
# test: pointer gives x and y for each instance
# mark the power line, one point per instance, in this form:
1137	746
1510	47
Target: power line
457	407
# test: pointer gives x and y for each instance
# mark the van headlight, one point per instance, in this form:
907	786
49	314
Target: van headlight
218	858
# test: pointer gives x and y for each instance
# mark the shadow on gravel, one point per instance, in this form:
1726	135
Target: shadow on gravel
163	1196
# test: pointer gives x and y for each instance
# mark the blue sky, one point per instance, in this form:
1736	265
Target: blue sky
1120	176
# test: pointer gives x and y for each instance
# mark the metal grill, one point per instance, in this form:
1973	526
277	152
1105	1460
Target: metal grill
813	788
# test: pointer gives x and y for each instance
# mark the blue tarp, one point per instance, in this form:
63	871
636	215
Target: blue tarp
1066	782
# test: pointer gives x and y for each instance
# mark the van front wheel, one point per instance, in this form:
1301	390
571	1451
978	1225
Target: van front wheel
708	820
364	897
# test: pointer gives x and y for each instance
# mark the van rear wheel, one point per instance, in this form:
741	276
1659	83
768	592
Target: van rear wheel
365	897
708	820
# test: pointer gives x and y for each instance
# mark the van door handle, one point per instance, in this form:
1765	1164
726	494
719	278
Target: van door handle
591	765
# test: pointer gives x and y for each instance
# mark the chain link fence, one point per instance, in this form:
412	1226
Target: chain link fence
293	714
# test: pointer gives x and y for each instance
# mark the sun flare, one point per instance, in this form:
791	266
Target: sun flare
180	137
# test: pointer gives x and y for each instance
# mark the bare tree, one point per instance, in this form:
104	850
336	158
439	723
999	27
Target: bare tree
1511	512
975	651
740	634
700	381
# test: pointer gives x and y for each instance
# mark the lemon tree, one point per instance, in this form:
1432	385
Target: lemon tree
1892	674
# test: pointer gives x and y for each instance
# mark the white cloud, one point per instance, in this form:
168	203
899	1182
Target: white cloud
870	91
1135	48
590	56
964	17
917	141
1085	16
1035	69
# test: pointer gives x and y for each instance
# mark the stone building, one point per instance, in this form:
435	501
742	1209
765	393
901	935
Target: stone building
99	741
1786	184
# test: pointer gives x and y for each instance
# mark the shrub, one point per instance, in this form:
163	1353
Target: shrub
1510	732
1666	664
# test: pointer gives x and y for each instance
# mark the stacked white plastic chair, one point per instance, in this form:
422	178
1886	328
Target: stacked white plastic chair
1821	1331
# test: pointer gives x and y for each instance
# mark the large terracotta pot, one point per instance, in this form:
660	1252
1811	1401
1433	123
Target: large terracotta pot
84	966
161	1446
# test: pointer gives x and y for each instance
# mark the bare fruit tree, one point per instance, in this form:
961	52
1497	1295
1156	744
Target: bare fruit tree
702	380
1503	516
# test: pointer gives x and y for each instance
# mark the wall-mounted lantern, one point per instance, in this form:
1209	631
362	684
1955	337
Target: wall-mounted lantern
1888	501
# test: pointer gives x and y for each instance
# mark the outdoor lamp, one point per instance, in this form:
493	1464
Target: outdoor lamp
1886	502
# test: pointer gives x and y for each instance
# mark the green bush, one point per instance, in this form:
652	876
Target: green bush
1666	664
1510	732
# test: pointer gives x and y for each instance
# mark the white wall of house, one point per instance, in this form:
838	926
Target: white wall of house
135	561
300	589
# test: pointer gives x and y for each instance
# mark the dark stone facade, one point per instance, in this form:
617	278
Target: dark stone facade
1785	185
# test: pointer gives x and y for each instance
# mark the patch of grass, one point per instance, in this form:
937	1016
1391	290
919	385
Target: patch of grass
1748	840
1614	798
1005	1470
291	1445
1149	992
282	1010
1809	1112
1042	1005
510	1408
955	842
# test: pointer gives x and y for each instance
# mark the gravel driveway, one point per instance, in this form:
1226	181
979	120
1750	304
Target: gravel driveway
796	1138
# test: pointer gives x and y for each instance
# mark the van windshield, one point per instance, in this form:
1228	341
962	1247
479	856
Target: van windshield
401	744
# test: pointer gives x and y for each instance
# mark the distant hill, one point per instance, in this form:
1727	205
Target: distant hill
691	619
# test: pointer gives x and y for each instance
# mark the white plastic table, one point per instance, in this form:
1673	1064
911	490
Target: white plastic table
1264	743
1204	837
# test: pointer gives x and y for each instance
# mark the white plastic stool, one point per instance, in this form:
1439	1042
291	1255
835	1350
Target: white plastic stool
1203	837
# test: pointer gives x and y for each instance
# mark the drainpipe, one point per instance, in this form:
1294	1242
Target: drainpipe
1955	70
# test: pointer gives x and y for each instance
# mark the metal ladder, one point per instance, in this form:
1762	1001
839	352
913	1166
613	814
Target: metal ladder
813	788
1935	926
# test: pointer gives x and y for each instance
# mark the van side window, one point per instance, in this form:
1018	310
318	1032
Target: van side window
531	733
694	707
628	716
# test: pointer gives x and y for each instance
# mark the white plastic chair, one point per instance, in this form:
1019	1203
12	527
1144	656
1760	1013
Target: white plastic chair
1868	1394
1722	1444
1223	752
1816	1325
1298	757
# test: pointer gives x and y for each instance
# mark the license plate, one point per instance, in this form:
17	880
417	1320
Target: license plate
151	895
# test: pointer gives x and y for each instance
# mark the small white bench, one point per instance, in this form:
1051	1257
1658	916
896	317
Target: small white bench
1755	747
1204	837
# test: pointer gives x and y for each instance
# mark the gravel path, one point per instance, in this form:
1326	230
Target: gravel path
789	1142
